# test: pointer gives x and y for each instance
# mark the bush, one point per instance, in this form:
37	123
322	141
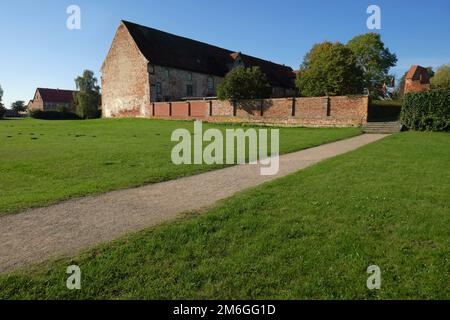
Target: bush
53	115
244	83
429	110
441	79
2	111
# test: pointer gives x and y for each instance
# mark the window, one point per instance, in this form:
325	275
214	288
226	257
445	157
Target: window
210	83
158	88
189	90
166	73
151	69
189	76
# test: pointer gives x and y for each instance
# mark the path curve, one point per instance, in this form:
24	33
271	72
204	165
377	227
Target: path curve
65	228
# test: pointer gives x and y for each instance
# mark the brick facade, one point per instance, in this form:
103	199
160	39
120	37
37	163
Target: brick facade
417	79
134	85
37	103
125	78
131	80
310	112
46	99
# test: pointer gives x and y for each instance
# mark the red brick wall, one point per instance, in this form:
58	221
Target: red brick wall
415	86
125	80
199	109
37	103
316	111
279	108
180	110
162	109
222	108
312	112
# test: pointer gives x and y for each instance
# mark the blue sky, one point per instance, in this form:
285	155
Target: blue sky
37	50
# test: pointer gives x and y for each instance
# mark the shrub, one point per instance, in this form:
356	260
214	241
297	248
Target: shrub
53	115
429	110
441	78
244	83
2	111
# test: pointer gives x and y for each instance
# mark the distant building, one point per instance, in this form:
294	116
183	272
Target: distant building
52	100
145	65
417	79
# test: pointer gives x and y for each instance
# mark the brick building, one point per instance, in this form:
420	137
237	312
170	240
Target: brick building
145	65
51	100
417	79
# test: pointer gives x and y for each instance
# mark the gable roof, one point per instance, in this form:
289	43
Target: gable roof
56	95
415	72
169	50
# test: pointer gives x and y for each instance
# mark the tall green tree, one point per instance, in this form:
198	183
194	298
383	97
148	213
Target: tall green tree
18	106
329	69
374	59
244	83
87	99
441	78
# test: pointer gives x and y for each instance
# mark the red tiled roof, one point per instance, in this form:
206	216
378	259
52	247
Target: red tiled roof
412	71
165	49
418	73
56	95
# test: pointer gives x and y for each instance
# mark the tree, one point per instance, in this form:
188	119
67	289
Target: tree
87	99
399	91
374	59
18	106
441	78
244	83
329	69
2	108
431	73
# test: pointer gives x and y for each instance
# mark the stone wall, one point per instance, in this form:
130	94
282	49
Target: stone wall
311	112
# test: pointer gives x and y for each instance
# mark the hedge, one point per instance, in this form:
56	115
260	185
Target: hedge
429	110
53	115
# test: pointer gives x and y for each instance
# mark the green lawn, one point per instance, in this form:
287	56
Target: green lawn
42	162
310	235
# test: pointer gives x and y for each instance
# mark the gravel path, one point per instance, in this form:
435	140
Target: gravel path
70	226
